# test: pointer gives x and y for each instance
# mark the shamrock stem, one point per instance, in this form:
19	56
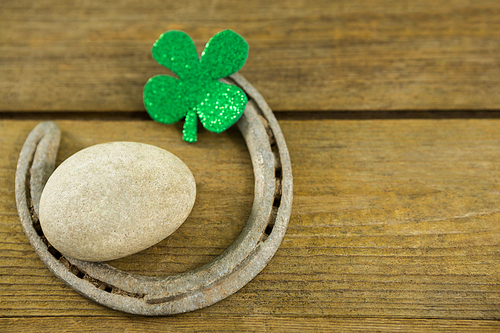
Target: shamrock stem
190	127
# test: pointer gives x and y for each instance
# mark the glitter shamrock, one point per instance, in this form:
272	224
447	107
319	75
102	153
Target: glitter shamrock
197	93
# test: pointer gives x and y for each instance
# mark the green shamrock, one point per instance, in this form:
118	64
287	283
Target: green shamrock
197	92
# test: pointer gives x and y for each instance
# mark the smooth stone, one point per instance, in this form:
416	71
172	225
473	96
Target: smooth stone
115	199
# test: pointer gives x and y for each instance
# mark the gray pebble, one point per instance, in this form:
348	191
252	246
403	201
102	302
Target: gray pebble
115	199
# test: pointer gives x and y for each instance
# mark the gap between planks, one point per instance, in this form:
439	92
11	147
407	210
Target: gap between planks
280	115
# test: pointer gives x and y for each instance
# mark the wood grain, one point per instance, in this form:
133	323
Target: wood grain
393	220
245	324
321	55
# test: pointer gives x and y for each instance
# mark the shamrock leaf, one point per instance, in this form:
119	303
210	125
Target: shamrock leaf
224	54
176	51
223	110
197	93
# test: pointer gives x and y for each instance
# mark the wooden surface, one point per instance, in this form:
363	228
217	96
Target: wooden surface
304	55
395	224
392	219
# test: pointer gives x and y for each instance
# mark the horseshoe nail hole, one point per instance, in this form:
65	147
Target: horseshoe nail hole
269	229
277	202
277	173
270	224
36	221
38	228
79	274
54	252
108	289
273	142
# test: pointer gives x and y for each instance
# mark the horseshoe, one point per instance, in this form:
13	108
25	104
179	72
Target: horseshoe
201	287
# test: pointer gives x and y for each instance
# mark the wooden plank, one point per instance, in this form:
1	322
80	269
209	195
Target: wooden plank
243	324
321	55
391	219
